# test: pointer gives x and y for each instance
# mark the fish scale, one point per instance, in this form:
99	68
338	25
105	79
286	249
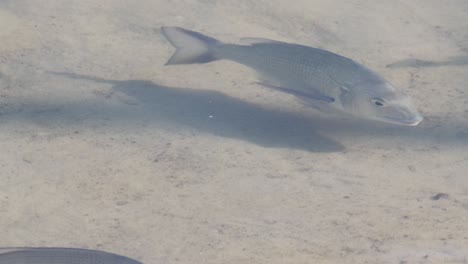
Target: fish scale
290	65
61	256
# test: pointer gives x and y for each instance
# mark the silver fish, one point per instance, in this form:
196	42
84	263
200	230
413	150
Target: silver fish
318	77
60	256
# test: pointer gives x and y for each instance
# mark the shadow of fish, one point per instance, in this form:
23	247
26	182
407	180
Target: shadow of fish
320	78
230	117
417	63
60	256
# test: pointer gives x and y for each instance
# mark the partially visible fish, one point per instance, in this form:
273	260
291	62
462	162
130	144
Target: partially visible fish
318	77
60	256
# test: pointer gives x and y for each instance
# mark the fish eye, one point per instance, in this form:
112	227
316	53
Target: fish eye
378	102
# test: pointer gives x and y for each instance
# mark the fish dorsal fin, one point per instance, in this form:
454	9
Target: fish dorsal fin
252	41
8	250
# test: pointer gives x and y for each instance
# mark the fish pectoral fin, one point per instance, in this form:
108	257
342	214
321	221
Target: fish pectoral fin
252	41
301	94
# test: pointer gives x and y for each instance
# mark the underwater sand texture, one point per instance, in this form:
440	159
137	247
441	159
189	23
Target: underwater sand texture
103	147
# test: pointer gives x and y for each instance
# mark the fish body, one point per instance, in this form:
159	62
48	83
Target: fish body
316	76
60	256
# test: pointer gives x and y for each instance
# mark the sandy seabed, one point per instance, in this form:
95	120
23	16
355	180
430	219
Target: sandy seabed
103	147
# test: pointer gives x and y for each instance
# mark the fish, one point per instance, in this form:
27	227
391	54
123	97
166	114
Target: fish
60	256
318	78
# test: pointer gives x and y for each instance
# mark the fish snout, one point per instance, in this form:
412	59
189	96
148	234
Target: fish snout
405	116
402	111
413	119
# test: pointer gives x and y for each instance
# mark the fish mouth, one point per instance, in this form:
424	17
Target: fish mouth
413	121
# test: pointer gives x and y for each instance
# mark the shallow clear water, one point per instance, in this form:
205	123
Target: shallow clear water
103	147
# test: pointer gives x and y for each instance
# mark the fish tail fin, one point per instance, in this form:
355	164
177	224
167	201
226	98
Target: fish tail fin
191	47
